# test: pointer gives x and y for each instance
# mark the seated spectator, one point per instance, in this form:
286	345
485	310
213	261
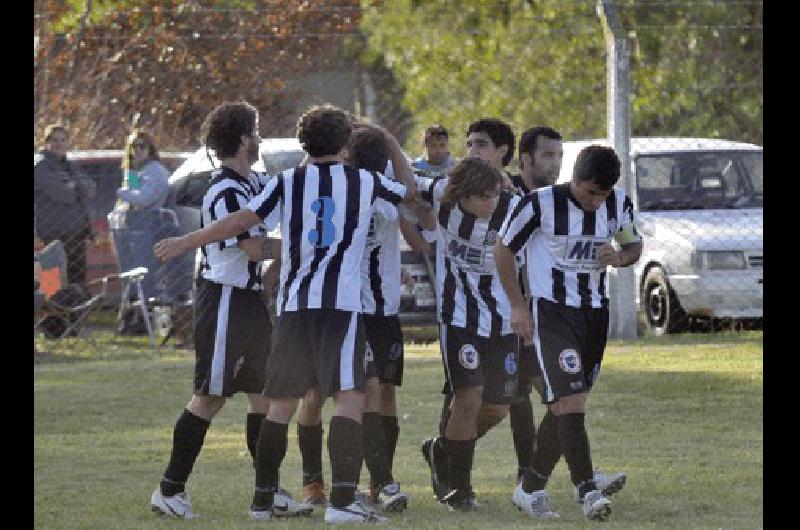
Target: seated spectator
438	160
136	222
61	201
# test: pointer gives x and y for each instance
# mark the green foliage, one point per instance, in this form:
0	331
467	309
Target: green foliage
533	63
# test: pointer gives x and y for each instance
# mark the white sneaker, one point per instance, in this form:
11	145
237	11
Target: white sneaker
178	506
391	498
595	506
284	506
364	499
352	513
536	503
607	483
260	515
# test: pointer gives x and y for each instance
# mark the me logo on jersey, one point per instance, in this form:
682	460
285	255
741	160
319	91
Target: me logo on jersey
463	252
569	361
468	357
325	232
581	252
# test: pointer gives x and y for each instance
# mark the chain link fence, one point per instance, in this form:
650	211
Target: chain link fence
695	70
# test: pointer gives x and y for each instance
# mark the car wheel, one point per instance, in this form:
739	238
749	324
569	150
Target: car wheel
662	311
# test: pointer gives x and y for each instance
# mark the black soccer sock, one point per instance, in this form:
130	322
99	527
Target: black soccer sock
309	439
187	440
545	455
523	430
270	451
448	398
375	449
252	428
391	431
346	453
575	444
459	462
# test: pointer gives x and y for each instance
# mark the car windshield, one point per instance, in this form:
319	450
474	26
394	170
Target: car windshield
700	180
277	161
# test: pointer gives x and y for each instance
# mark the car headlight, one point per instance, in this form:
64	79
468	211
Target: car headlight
719	260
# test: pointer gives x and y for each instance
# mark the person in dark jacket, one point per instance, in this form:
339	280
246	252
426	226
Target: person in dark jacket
61	197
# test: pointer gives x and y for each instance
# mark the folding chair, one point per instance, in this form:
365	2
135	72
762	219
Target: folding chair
135	277
72	318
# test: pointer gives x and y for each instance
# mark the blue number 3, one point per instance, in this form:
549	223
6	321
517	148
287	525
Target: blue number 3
324	207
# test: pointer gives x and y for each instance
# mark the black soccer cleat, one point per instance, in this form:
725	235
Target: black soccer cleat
461	501
436	458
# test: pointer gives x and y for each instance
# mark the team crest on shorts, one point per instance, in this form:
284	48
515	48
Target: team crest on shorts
570	361
468	356
395	351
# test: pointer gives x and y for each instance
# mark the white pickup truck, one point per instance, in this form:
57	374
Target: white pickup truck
700	211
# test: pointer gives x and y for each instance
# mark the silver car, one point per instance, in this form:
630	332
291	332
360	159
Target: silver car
700	210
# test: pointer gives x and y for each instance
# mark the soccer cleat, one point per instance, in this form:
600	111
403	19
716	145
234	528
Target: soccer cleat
436	459
364	498
314	494
391	499
352	513
178	505
259	514
284	506
607	483
595	506
460	501
536	503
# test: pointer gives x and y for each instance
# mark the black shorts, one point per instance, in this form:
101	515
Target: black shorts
528	368
231	340
311	347
570	342
385	340
472	360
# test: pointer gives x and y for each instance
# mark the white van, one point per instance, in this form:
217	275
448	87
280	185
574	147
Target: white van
700	211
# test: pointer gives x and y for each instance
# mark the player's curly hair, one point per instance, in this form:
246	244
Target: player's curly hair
223	128
368	150
472	177
324	130
597	163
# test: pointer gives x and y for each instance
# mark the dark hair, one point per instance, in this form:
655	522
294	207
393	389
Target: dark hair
223	128
135	136
323	130
499	131
527	142
367	149
435	130
472	176
599	164
53	127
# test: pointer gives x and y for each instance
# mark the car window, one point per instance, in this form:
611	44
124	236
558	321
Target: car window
191	191
277	161
698	180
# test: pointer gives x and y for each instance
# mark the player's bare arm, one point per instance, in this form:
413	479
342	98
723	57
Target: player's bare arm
627	255
521	320
261	248
424	213
402	169
236	223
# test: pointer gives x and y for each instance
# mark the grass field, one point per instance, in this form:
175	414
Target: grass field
681	415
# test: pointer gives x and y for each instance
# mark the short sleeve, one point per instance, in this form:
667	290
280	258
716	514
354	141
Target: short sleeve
266	204
519	225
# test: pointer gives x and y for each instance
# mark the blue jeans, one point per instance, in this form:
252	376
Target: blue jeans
133	244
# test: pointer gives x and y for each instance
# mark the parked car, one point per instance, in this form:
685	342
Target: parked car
190	181
700	211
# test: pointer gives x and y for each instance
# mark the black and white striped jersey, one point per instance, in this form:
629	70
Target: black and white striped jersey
324	212
224	262
561	241
468	289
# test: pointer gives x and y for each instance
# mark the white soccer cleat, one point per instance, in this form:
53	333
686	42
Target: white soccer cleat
596	507
352	513
178	506
260	515
284	506
607	483
536	503
391	499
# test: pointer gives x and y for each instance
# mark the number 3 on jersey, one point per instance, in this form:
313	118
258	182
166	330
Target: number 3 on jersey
325	233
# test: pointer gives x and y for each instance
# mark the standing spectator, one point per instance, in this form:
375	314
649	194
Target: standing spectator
136	220
60	201
438	161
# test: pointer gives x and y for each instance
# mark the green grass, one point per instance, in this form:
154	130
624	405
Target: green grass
682	415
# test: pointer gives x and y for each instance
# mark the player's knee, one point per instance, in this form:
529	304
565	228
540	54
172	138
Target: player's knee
281	410
372	395
574	404
205	407
467	401
350	404
494	414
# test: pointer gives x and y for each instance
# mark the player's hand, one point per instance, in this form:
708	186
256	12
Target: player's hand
522	324
170	248
608	255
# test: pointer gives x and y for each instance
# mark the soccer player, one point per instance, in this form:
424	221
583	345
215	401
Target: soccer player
479	350
438	161
566	232
231	323
324	210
